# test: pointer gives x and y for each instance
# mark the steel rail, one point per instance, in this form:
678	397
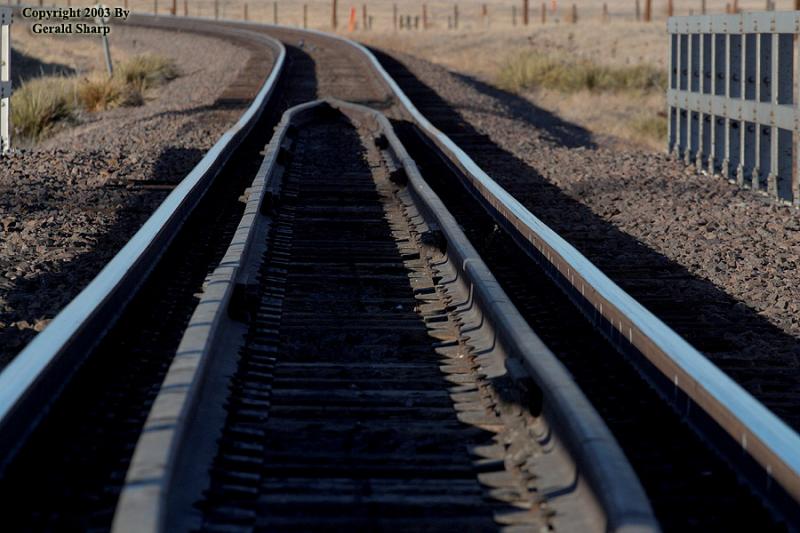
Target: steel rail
32	381
760	434
150	482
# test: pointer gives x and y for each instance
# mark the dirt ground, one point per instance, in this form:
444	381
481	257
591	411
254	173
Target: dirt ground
482	54
68	204
35	55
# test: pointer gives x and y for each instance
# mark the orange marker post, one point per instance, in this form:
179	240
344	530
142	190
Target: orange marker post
351	24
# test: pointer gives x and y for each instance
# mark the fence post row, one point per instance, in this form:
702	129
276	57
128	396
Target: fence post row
5	79
732	97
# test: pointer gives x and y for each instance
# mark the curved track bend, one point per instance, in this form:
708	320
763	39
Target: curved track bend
94	397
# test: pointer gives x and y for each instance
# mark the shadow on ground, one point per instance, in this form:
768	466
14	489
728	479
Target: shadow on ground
557	130
25	67
753	351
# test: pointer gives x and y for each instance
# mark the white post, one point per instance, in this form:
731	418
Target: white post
5	79
102	21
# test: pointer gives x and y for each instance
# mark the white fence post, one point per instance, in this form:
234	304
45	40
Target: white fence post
5	79
733	98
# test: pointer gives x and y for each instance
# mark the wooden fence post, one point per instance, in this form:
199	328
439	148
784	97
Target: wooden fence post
524	12
275	12
574	16
185	8
305	16
245	11
364	17
333	15
484	15
174	9
425	16
648	10
670	8
638	12
216	9
544	13
605	12
455	16
155	6
702	7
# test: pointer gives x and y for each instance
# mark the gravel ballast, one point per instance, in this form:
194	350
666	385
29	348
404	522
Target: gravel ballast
717	263
69	204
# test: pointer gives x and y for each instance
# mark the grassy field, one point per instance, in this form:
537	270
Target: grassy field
57	79
499	13
607	77
37	55
606	45
605	71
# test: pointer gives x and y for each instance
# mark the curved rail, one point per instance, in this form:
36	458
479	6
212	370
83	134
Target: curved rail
32	381
150	482
762	435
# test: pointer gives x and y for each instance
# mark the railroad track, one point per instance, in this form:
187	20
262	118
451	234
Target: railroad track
99	413
371	384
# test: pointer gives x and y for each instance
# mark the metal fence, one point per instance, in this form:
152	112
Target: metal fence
5	78
732	97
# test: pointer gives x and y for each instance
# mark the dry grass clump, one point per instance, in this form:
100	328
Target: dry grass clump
563	73
39	105
653	127
127	87
98	93
146	72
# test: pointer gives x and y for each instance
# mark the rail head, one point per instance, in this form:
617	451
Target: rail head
27	386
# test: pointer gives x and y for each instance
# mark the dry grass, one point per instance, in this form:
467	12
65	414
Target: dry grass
652	127
145	72
605	77
43	104
99	93
40	106
561	72
129	84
